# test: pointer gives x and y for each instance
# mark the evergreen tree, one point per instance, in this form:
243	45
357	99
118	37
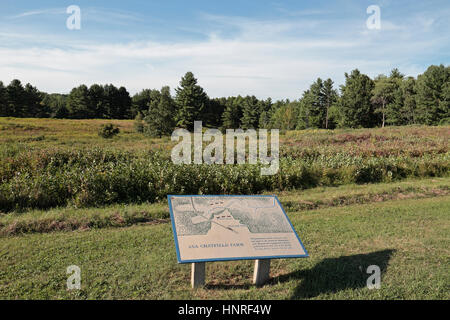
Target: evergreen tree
304	110
446	103
402	110
382	95
231	117
4	110
78	104
123	104
266	112
110	101
31	100
356	107
285	117
330	97
264	120
191	101
139	123
433	101
97	106
395	106
315	105
211	117
141	101
396	74
160	119
16	98
55	103
250	113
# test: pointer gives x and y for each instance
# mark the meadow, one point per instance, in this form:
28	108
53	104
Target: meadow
356	197
53	163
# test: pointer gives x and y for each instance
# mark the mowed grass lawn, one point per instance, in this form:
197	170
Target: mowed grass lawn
408	239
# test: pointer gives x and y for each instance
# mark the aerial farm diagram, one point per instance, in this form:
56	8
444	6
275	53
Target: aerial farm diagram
208	228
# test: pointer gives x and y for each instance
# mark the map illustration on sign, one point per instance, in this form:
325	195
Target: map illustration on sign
213	228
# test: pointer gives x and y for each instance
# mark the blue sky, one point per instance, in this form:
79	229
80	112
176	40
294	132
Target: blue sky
265	48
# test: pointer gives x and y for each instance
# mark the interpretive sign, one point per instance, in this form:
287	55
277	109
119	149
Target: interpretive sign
214	228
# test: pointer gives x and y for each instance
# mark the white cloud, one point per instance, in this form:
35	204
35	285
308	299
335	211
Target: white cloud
265	58
39	12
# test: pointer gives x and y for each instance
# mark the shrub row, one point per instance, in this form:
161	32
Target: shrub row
99	177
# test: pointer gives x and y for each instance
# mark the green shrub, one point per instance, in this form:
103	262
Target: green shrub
95	177
138	124
108	131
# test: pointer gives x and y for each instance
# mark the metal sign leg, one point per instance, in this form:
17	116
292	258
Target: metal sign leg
198	274
261	273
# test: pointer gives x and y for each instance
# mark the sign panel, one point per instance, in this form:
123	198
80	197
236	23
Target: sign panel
214	228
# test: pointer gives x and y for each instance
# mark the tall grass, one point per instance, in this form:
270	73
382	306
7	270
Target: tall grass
48	162
95	177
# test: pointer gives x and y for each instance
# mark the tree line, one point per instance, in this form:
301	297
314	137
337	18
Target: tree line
359	102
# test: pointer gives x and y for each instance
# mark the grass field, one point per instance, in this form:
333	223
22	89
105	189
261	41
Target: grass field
372	197
408	239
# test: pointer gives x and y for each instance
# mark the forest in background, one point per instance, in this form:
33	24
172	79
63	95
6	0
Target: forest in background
361	102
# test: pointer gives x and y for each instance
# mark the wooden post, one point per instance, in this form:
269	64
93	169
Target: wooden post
261	273
198	274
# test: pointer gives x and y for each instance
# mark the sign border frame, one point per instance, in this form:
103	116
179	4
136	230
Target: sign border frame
306	255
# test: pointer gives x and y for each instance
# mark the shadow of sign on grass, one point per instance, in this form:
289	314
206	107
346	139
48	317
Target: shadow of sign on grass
332	275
